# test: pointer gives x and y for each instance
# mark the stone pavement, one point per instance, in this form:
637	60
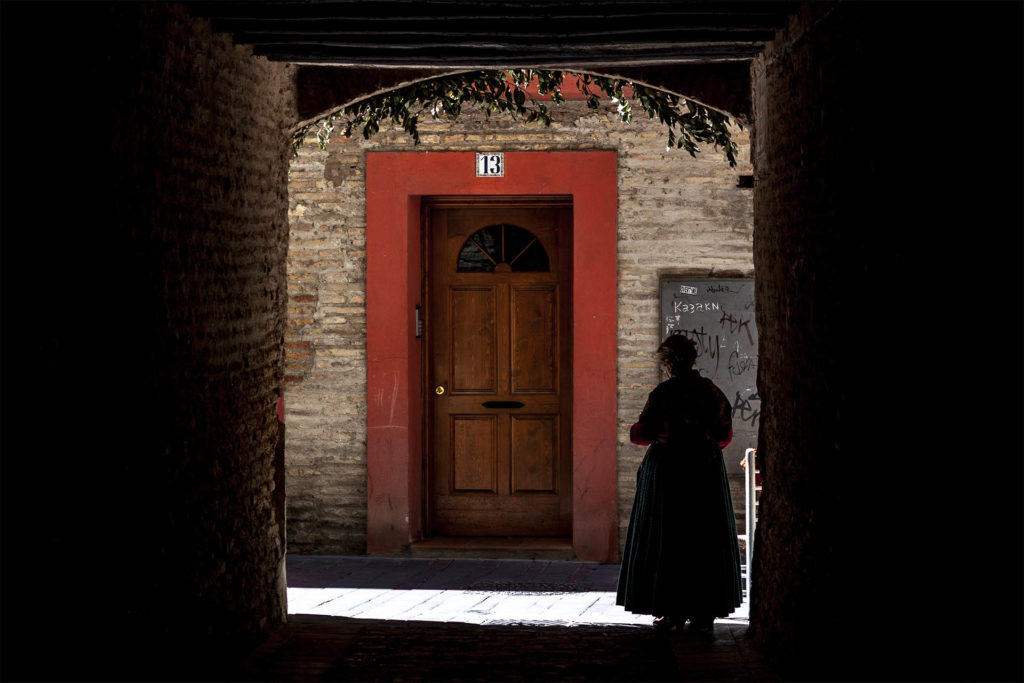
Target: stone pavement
410	619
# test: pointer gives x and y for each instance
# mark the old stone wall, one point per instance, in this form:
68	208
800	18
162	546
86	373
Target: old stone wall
886	513
677	215
798	357
148	362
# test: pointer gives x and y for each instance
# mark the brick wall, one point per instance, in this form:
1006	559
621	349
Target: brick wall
796	358
148	362
886	510
677	215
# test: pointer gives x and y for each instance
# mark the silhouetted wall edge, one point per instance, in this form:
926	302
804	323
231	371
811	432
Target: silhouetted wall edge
145	230
887	240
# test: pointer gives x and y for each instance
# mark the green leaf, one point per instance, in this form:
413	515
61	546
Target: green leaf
503	91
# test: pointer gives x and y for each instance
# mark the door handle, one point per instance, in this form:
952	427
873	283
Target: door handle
439	389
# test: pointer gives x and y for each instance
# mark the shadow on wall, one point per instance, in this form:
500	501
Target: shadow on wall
142	283
888	254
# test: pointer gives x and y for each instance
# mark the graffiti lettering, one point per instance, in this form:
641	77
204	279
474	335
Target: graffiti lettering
740	363
747	413
707	345
683	307
718	289
737	325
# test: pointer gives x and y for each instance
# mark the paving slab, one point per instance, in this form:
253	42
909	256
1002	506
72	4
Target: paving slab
443	619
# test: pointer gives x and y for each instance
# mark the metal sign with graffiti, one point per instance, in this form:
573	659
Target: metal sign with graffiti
719	315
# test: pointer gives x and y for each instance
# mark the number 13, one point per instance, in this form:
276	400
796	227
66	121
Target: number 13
490	165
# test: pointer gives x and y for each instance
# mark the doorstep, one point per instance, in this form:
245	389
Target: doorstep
494	548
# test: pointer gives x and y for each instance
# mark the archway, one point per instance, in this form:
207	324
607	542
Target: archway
704	194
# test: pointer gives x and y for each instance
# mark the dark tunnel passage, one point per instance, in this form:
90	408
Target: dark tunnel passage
145	229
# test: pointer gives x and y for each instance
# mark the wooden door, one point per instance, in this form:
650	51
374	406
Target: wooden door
499	377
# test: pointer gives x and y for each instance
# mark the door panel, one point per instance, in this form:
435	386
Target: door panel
498	344
474	454
474	346
535	453
534	340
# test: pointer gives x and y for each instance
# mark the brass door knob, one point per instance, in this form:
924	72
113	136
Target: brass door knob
439	390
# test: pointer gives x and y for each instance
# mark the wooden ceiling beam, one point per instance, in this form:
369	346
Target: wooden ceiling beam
653	36
440	10
446	24
485	59
496	34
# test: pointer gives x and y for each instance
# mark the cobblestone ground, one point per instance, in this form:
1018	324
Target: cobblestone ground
363	621
315	648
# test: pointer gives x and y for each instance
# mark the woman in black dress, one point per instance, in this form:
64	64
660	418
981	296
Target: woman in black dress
682	561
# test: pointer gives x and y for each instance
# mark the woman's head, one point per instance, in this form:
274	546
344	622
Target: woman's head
678	353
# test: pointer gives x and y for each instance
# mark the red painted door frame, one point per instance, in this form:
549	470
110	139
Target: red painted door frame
395	184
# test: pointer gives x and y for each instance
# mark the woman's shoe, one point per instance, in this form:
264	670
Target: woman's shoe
668	623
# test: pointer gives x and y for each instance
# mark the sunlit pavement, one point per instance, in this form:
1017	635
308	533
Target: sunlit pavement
404	619
484	592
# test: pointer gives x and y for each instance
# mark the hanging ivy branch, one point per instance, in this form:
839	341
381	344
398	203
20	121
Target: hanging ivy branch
689	123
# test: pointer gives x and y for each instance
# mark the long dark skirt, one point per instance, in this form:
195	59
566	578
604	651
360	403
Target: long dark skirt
682	557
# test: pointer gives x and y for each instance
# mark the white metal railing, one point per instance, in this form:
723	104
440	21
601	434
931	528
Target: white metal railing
750	503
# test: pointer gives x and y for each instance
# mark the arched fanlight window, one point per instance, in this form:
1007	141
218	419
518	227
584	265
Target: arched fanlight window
502	248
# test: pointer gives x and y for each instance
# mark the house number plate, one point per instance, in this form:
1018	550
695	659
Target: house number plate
490	164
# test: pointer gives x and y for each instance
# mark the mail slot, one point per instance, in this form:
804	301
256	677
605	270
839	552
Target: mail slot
503	404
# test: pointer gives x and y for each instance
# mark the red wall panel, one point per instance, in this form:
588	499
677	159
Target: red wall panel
395	183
